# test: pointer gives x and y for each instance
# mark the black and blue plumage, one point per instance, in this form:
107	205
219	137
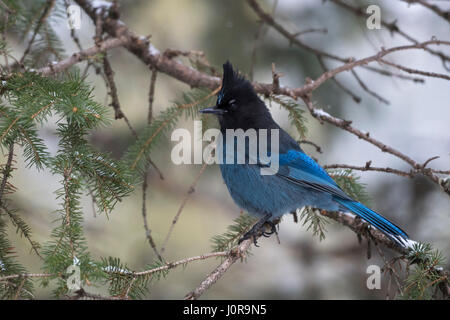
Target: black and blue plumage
299	181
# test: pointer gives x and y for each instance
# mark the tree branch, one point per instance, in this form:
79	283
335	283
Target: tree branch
443	14
86	54
152	57
346	125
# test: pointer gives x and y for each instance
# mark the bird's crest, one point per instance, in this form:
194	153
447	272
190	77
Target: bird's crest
230	79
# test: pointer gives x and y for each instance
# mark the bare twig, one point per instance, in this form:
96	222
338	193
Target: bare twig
355	98
311	30
443	14
315	145
48	6
415	71
393	28
171	265
350	65
389	266
267	18
346	125
365	88
258	38
191	190
109	78
145	175
368	167
148	233
19	289
151	95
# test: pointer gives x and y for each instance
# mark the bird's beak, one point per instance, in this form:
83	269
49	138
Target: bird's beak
213	110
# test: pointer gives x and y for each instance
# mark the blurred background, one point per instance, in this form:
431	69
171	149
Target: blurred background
416	122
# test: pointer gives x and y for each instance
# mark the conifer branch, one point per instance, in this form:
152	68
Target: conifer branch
26	275
82	55
6	171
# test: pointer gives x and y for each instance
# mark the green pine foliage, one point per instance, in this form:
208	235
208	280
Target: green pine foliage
349	182
296	113
427	273
20	287
22	228
32	99
38	18
123	282
314	221
235	231
29	101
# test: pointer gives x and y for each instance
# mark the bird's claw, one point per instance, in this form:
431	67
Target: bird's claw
273	229
257	231
253	233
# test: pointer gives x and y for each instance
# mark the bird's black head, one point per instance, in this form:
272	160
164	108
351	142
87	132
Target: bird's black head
238	106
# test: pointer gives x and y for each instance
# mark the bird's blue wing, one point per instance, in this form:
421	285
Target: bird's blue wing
300	169
297	167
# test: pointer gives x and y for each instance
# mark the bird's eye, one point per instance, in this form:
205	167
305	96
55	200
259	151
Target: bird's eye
232	103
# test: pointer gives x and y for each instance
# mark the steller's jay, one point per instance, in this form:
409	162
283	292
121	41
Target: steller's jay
299	180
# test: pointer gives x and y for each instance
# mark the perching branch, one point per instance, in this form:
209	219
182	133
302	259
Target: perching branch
217	273
349	220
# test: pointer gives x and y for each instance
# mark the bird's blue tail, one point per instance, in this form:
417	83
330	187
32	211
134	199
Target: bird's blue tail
381	223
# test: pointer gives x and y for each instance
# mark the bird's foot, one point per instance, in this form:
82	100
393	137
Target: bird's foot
257	230
253	233
273	229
